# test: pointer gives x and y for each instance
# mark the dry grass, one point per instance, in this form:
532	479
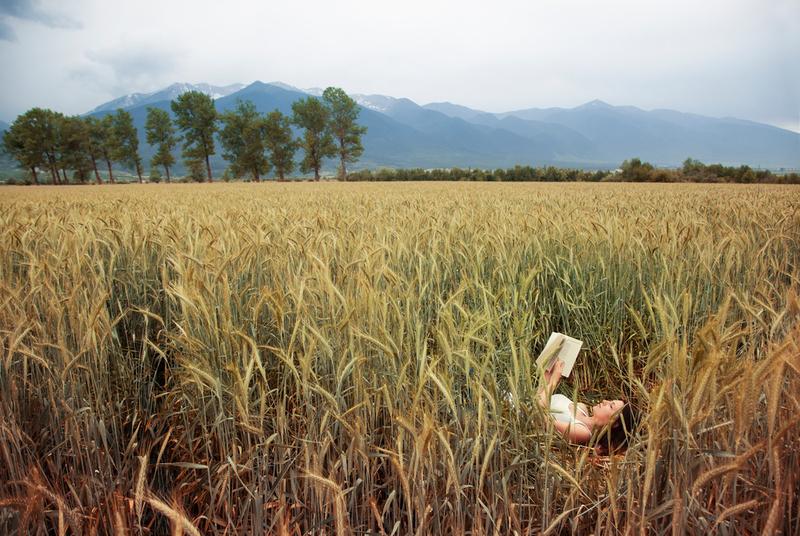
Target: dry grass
333	358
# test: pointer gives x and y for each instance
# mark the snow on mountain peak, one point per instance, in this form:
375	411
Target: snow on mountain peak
379	103
170	92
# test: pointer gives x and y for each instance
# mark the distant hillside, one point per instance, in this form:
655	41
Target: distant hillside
388	142
483	145
596	134
402	133
408	136
667	137
455	110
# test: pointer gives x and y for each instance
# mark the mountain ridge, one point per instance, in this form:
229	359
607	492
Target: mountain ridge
170	92
595	134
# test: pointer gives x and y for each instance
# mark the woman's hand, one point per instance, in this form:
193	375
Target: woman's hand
553	376
551	379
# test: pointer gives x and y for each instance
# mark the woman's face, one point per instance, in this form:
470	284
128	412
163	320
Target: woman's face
605	411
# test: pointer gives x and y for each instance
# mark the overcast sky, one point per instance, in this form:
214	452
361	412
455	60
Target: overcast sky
737	58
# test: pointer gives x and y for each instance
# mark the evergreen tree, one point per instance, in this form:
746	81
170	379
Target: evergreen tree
126	142
196	117
161	134
242	138
346	132
280	142
317	143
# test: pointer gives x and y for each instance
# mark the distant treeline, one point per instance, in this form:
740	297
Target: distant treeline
633	170
48	142
515	174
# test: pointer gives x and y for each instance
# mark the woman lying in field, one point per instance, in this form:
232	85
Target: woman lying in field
613	421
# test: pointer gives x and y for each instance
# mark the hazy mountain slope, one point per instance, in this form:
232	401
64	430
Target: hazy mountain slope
387	143
564	143
667	137
455	110
532	114
403	134
266	98
485	143
730	140
139	115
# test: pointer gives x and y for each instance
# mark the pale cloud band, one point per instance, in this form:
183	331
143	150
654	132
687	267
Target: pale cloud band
720	58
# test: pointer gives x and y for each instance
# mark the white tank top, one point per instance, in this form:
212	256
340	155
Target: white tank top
560	410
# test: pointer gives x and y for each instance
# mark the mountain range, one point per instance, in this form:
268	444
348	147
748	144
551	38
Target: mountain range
402	133
167	94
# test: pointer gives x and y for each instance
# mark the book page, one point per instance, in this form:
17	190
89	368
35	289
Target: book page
563	347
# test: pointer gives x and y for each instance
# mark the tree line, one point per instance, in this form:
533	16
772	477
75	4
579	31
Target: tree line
633	170
692	170
42	140
515	174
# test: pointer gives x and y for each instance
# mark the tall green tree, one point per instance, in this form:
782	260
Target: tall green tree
24	143
242	139
126	142
312	115
98	145
101	132
196	169
16	145
346	132
636	171
196	117
280	143
33	141
161	134
74	148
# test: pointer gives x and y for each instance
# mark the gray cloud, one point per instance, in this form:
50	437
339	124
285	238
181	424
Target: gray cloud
127	68
32	11
7	32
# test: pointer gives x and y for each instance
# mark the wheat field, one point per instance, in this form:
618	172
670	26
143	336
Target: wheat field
336	358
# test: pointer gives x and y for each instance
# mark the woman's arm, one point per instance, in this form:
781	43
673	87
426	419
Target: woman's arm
551	379
577	433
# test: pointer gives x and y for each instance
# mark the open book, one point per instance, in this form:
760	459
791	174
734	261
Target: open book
559	346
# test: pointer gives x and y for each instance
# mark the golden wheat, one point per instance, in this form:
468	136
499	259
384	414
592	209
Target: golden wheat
338	358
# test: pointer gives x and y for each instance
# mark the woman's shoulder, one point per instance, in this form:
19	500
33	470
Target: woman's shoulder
559	403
